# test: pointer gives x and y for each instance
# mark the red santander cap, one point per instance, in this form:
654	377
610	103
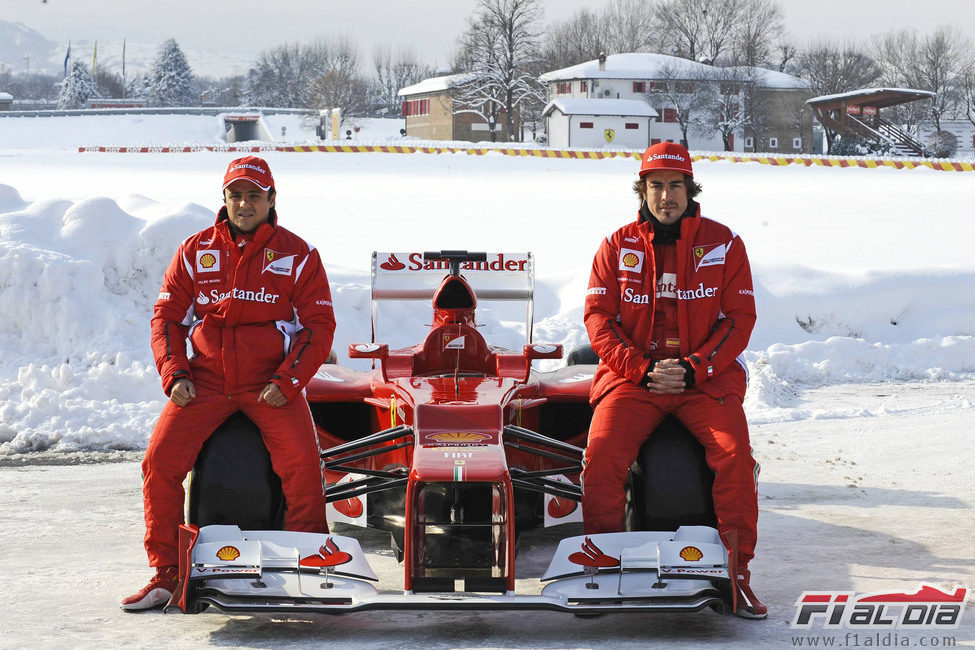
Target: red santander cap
249	168
666	157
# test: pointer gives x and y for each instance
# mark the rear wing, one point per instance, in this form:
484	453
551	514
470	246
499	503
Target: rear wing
407	276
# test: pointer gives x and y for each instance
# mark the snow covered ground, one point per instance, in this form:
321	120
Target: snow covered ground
861	400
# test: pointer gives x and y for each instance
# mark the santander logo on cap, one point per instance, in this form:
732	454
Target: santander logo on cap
249	168
666	157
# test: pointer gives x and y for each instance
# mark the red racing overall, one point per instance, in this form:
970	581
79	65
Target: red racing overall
704	288
231	317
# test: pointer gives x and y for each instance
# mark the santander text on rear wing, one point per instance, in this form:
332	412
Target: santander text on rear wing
409	276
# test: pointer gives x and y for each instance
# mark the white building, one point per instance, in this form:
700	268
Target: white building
593	123
658	81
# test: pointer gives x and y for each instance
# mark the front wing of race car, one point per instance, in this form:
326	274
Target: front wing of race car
238	571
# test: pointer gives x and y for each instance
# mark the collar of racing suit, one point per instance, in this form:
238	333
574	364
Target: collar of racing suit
666	233
261	235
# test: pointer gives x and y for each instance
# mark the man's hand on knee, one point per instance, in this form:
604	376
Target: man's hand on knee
272	396
182	392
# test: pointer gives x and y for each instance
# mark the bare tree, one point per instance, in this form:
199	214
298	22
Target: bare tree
936	62
622	26
831	68
628	26
699	29
500	49
691	99
580	38
396	70
892	51
728	111
970	94
759	27
339	89
283	75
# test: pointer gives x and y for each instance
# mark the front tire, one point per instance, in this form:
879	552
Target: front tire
670	485
233	482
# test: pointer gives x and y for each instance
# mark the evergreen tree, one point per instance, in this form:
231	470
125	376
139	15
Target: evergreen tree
170	80
77	88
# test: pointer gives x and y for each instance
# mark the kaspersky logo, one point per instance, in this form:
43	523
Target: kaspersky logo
928	607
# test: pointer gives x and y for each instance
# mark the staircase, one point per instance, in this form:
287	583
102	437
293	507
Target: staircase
885	132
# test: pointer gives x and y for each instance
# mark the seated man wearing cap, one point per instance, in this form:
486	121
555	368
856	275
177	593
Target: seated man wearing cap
669	311
253	302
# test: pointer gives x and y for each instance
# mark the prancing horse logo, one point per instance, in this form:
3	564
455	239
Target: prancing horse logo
609	134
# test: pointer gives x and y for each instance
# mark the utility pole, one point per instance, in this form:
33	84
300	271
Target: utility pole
30	88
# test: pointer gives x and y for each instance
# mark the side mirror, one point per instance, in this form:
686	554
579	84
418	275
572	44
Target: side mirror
543	351
368	351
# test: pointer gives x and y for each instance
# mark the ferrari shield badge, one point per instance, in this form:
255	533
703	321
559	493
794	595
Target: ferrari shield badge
609	134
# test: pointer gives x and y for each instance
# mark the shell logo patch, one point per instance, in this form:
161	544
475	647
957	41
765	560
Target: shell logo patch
228	553
631	260
691	554
457	436
207	260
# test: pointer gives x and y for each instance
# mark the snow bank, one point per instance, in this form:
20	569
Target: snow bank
846	291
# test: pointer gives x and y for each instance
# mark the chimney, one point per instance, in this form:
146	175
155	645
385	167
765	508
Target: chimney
602	60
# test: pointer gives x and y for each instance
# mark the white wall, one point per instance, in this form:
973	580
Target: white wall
564	131
962	129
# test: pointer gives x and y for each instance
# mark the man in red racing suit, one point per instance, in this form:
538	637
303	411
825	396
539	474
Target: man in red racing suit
243	321
669	310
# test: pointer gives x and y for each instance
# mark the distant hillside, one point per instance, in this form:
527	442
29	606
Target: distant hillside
18	40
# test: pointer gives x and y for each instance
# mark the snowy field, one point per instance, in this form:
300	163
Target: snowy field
862	395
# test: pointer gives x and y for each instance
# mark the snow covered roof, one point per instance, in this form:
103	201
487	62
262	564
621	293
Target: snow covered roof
436	84
634	65
647	65
6	96
580	106
869	92
765	78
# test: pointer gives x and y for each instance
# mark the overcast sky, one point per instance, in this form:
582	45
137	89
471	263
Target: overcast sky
245	27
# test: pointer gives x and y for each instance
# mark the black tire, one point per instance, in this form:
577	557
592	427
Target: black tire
582	355
233	481
670	485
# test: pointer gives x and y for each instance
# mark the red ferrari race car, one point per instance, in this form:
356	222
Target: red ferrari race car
456	447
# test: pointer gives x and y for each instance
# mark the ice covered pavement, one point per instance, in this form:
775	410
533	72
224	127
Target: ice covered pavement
875	501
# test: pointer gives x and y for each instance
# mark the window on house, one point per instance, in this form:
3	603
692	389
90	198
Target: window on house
749	142
684	87
405	109
632	125
797	143
670	115
639	87
585	125
583	86
654	141
773	143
